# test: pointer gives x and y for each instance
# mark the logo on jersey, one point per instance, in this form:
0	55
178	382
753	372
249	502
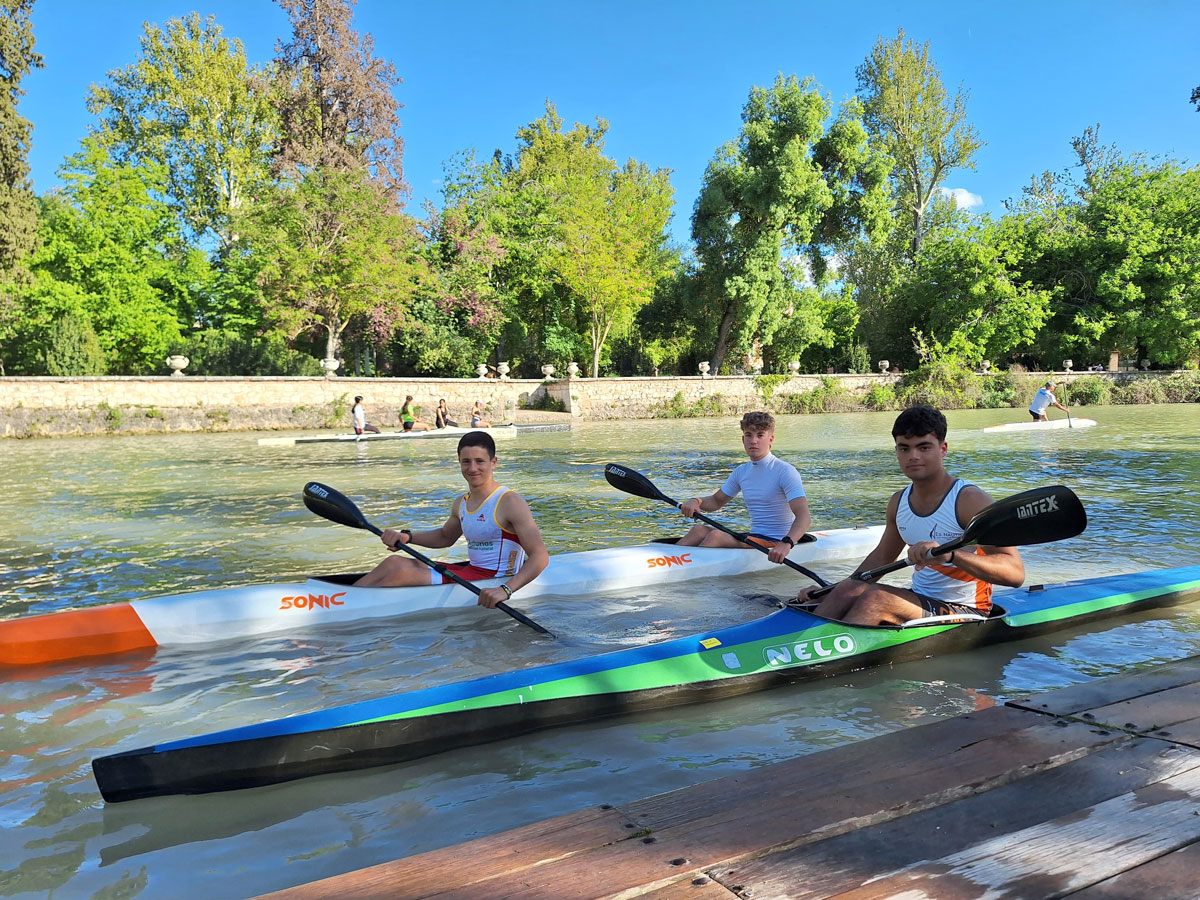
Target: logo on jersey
1037	508
682	560
312	601
814	650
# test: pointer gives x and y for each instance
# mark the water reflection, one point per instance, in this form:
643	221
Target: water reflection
96	520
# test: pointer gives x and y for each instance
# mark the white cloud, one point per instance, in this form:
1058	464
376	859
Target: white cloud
963	198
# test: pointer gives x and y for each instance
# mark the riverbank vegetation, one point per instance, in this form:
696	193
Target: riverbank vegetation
823	234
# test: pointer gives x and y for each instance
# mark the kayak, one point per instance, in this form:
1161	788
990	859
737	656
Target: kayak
1048	425
224	614
786	646
499	432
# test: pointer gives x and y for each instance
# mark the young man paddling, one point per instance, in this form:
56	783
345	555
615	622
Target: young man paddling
773	491
931	511
502	538
1043	400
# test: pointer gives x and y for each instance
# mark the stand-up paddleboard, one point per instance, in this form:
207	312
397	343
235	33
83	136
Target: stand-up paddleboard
1048	425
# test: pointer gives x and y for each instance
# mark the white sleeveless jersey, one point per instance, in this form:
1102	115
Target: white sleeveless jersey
489	546
940	581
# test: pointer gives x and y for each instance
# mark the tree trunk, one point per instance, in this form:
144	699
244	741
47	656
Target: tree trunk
722	347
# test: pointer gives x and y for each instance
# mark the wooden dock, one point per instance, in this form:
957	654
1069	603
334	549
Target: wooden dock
1091	792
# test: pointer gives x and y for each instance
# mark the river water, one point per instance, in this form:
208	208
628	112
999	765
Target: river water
98	520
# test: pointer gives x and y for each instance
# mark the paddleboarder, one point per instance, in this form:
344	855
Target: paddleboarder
932	511
773	491
503	539
1043	400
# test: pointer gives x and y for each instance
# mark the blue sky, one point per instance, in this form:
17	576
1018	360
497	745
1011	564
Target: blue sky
671	77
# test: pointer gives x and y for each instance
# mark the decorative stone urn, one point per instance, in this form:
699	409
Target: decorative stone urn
1068	365
548	372
502	370
1145	364
330	365
572	370
884	365
985	366
481	370
178	364
794	367
704	369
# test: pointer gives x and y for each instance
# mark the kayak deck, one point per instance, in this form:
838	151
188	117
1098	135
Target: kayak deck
1048	425
497	431
786	646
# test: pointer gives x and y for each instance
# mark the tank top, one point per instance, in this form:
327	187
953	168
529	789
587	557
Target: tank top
489	546
941	581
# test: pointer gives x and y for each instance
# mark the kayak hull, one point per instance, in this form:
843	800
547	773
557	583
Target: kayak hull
498	432
1048	425
787	646
225	614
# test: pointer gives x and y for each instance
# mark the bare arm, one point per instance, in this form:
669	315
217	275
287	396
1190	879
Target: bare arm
711	503
995	565
890	546
801	524
436	538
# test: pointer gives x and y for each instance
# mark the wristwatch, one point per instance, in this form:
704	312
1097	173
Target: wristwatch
790	542
507	590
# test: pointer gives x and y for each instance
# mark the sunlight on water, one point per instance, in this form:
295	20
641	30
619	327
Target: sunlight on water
96	520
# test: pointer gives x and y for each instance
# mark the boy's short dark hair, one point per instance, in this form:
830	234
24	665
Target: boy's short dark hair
758	421
478	439
918	420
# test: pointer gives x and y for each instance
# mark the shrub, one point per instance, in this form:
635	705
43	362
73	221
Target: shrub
947	383
1089	391
543	401
1182	387
1139	390
679	408
74	348
831	396
880	397
999	391
766	385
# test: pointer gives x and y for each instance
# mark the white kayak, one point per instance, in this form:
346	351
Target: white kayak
499	432
1048	425
223	614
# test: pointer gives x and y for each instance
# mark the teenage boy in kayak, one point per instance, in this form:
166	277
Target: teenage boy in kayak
773	491
933	510
1042	401
502	538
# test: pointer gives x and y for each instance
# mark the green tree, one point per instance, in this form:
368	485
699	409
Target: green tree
18	206
907	112
73	347
786	182
192	104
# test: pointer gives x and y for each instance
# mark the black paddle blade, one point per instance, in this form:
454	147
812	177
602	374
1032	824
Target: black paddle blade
333	505
1037	516
631	482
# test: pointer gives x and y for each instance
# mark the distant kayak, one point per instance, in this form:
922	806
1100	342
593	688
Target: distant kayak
498	431
1048	425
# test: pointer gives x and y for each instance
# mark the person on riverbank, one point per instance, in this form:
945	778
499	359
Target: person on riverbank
408	417
1043	400
441	418
359	416
933	510
772	489
477	419
503	540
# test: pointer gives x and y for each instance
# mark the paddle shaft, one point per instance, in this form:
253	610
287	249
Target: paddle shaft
445	572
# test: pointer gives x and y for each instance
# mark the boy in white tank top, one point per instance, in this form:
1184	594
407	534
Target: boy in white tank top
502	537
931	511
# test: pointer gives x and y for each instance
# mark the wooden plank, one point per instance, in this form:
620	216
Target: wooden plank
842	863
1104	691
1175	876
699	888
1151	712
786	818
817	771
1186	733
1056	858
509	852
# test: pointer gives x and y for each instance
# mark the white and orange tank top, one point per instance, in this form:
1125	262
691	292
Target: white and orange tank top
941	581
489	546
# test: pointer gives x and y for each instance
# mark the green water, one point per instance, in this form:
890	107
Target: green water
96	520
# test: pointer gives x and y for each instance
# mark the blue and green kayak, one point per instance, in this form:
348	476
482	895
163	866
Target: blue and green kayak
786	646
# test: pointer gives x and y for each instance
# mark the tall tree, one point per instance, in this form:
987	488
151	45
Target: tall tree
18	206
787	182
192	104
908	113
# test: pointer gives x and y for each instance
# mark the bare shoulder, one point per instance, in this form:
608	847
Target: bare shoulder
513	508
971	500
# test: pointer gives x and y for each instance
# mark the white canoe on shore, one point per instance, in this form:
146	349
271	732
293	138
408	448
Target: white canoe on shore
224	614
1048	425
498	432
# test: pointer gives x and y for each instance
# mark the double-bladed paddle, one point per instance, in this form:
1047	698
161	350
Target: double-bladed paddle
1036	516
337	507
625	479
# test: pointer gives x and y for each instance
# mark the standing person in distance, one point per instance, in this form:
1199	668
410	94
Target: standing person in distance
408	417
933	510
503	539
773	490
1043	400
359	416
